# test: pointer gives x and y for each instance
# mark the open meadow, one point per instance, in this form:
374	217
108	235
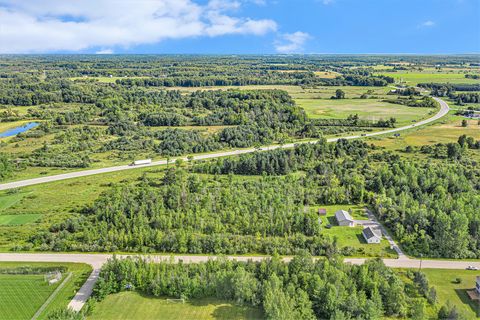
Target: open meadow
133	306
367	109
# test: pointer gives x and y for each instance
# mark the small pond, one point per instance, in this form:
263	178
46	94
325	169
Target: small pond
19	129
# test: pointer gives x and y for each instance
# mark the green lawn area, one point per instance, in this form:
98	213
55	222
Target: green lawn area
368	109
18	219
133	305
22	295
413	78
448	290
352	236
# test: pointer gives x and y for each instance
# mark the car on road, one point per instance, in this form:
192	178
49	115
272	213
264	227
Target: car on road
472	268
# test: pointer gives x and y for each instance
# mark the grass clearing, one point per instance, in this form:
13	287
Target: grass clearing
18	219
367	109
22	295
443	131
447	290
133	305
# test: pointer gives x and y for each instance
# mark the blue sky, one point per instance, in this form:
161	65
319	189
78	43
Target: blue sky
240	26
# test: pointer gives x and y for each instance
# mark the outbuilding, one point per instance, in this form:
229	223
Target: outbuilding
344	219
371	235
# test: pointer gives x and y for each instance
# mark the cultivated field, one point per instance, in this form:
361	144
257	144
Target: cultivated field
443	131
368	109
133	306
413	78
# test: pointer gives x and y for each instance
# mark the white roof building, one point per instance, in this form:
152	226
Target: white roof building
344	218
372	235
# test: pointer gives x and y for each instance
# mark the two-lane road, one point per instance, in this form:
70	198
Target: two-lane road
23	183
97	260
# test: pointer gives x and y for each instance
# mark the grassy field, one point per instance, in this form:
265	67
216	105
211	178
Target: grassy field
445	130
22	295
413	78
448	290
368	109
18	219
132	306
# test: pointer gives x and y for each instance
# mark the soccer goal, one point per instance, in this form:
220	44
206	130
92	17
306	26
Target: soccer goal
176	300
52	277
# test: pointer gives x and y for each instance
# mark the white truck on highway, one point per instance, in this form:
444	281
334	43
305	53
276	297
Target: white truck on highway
141	162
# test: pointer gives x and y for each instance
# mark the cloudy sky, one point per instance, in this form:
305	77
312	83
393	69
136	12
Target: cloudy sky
239	26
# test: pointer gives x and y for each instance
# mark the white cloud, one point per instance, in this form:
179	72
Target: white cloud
104	51
327	2
428	24
292	42
56	25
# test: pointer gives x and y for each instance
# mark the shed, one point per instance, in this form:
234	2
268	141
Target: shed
322	212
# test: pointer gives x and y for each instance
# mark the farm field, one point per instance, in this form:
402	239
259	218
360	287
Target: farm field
413	78
367	109
133	306
442	131
22	295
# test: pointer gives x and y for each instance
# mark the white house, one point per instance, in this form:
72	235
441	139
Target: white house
477	285
344	218
371	235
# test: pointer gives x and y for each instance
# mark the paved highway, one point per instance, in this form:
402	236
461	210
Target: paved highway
97	260
17	184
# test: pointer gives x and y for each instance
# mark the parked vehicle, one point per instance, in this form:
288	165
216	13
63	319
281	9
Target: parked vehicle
141	162
472	268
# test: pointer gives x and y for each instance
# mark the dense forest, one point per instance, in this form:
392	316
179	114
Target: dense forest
300	289
422	202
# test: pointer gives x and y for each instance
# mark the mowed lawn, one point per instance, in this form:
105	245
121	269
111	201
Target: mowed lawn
447	290
367	109
352	236
133	306
18	219
413	78
22	295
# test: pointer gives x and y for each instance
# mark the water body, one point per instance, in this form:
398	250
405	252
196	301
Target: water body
17	130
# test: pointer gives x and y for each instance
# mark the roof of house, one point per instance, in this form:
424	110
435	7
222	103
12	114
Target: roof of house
369	233
343	215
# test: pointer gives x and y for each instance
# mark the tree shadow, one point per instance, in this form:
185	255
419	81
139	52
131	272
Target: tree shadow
463	296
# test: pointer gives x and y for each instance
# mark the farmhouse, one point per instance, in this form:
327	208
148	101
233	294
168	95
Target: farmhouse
344	218
371	235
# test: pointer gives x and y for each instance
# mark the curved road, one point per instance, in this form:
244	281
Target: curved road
97	260
17	184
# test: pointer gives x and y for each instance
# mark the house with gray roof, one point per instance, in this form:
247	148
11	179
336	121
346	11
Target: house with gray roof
372	235
344	218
